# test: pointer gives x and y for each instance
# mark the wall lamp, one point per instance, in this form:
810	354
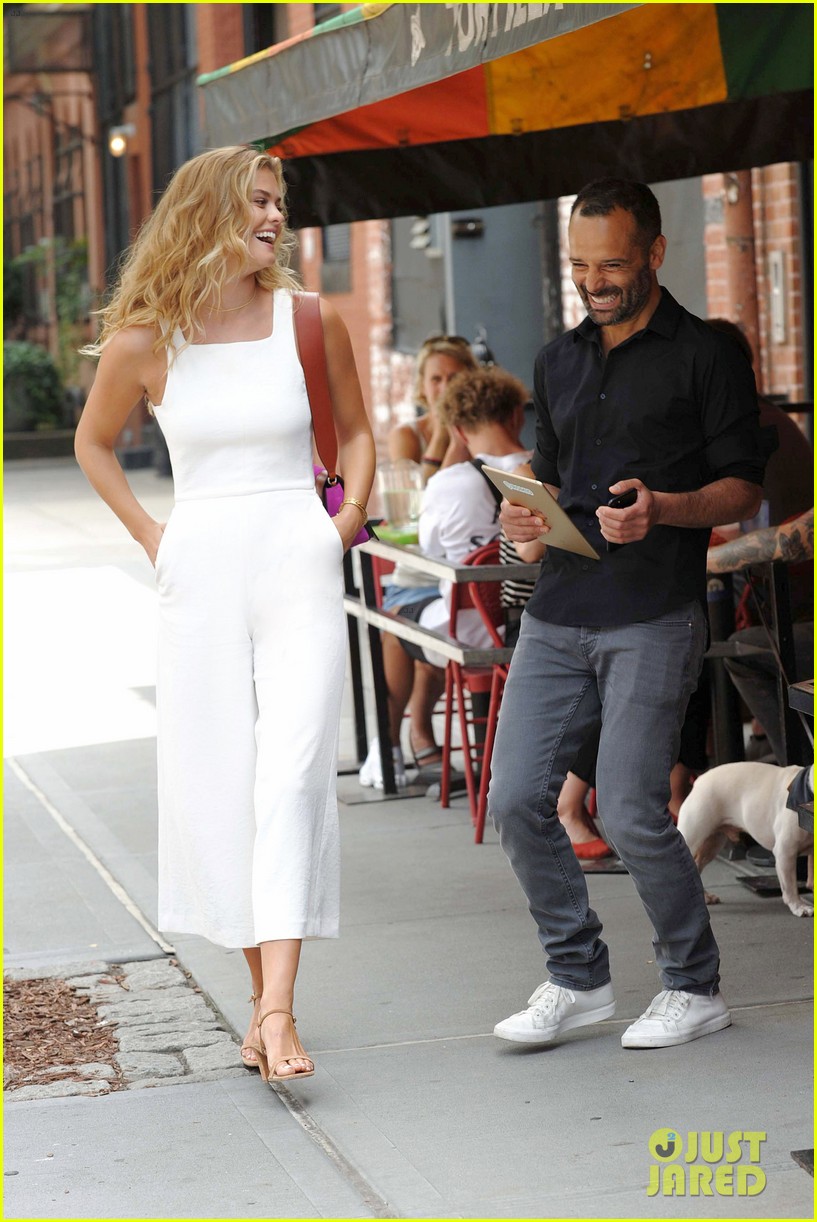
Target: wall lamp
468	227
118	138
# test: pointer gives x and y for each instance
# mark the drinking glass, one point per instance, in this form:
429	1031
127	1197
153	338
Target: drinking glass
401	487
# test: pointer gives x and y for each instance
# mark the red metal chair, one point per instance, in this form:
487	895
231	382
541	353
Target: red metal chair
380	568
463	683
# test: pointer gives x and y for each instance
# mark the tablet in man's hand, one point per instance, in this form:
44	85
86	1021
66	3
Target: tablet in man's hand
520	490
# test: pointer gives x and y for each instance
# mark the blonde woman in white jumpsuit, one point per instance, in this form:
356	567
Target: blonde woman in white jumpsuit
251	650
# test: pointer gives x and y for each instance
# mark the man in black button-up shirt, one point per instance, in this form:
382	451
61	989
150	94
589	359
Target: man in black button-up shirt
641	396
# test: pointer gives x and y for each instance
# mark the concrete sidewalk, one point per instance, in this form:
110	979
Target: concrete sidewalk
415	1109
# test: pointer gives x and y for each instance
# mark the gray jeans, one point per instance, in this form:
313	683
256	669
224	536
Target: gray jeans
638	677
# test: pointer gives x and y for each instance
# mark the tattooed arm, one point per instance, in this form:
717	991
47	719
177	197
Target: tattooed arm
790	542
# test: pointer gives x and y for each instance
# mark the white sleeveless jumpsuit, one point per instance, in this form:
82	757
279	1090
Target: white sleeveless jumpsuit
251	651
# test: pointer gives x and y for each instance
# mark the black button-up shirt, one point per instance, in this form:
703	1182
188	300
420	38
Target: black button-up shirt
675	406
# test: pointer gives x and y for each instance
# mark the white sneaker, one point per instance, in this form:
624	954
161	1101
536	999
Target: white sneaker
676	1017
371	770
554	1010
371	773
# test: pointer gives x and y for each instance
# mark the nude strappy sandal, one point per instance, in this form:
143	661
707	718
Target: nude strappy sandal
249	1047
299	1054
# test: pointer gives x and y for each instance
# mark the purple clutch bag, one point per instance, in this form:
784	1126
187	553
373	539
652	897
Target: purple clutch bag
309	340
332	495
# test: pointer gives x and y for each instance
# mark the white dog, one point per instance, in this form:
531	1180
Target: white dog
749	798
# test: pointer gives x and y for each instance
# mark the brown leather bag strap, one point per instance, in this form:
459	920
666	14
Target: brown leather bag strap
311	347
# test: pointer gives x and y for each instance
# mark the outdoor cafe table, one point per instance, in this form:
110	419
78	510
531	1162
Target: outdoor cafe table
360	603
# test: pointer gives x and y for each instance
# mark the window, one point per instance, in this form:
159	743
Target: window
116	213
325	12
112	29
336	269
113	59
69	187
24	219
38	41
264	25
171	34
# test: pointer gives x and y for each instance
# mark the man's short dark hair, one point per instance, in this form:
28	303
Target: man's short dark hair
599	198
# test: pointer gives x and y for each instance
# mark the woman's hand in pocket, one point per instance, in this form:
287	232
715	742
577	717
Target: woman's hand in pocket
151	539
347	522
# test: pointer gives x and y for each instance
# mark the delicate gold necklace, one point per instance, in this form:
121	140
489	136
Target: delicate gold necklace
243	306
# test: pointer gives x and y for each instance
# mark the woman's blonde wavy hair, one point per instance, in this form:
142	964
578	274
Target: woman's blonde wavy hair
195	237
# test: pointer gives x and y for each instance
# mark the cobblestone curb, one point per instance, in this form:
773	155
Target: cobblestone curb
165	1029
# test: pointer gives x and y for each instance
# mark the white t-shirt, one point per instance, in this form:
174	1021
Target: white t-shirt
460	514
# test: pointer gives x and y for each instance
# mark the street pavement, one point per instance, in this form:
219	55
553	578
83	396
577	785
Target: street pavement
415	1109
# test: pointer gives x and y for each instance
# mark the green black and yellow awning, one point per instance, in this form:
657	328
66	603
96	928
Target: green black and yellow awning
396	109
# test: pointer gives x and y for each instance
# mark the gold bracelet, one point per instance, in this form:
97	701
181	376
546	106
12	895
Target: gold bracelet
361	508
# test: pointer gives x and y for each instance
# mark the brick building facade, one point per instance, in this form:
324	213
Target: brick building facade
351	264
777	261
